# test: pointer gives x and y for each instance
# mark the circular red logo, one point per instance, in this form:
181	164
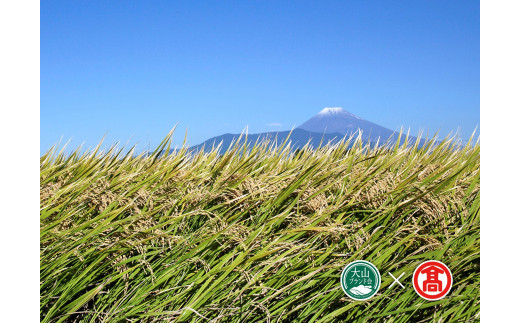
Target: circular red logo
432	280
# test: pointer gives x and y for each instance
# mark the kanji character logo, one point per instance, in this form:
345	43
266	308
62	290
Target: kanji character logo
432	280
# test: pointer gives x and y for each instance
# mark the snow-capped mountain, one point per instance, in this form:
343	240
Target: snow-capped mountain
330	125
338	120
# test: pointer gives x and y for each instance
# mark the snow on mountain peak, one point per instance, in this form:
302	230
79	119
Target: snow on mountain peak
331	110
336	111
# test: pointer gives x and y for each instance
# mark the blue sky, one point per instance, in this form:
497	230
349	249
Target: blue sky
134	69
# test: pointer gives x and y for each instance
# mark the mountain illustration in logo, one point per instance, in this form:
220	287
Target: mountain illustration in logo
361	290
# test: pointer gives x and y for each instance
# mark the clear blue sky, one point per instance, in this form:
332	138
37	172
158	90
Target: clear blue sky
136	68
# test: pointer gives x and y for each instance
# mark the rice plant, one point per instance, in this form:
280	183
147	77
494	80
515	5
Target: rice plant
257	233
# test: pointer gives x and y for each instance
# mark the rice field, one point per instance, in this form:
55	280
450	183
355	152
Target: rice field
258	233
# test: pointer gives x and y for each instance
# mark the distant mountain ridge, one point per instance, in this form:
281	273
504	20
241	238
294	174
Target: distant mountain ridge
329	126
298	138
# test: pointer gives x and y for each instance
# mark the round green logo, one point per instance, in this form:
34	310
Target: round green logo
360	280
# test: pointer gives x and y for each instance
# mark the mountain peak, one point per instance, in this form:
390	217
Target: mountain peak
337	120
337	111
332	110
